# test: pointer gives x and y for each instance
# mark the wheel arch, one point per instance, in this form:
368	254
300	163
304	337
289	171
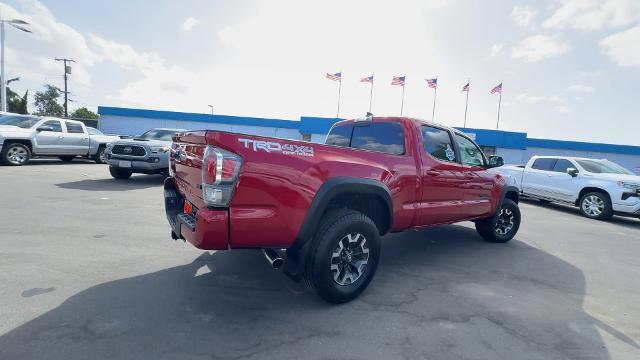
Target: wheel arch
589	189
25	142
370	197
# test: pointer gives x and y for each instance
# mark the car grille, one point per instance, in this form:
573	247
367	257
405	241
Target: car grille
131	150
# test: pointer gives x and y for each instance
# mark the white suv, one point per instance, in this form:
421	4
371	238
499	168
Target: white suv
599	188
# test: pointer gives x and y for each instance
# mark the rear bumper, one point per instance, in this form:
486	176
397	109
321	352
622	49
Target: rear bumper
208	229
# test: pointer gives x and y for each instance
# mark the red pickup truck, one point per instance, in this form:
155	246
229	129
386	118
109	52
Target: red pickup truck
319	210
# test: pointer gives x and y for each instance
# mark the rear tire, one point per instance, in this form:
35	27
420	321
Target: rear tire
344	256
15	154
120	173
67	158
503	226
596	205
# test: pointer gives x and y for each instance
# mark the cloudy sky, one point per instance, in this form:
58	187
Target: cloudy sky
570	68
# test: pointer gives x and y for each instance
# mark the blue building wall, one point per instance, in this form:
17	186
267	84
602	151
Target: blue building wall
515	147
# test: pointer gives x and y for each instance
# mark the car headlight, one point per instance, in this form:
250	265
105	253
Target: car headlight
163	149
629	185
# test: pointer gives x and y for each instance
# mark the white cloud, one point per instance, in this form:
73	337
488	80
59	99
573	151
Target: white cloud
554	102
496	49
31	56
623	48
539	47
523	15
581	89
190	23
594	14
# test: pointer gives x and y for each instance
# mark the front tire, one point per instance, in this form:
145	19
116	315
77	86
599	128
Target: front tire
100	157
344	256
503	226
596	205
120	173
15	154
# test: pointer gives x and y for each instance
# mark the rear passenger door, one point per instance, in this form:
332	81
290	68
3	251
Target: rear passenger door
75	140
536	180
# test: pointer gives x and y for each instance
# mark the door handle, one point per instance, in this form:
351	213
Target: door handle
60	136
433	173
468	175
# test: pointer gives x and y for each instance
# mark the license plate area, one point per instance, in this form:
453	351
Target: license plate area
124	164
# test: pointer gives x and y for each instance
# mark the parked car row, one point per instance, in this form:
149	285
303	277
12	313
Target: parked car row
23	137
599	188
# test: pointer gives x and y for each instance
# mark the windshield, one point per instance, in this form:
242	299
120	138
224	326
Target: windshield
156	134
603	167
94	131
24	122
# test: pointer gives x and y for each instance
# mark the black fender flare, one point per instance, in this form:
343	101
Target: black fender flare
503	194
297	253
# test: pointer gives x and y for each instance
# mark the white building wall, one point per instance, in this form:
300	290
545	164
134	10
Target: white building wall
511	156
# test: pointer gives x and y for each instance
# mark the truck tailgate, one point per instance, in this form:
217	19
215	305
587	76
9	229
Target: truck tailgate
186	161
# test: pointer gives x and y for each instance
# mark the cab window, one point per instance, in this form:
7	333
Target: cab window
383	137
562	165
545	164
73	128
437	143
54	125
340	135
470	153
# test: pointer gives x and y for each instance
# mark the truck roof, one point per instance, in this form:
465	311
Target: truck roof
563	157
400	119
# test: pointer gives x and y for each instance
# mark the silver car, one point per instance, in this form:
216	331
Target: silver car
144	154
24	136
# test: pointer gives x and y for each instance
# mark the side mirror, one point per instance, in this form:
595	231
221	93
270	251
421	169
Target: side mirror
572	171
495	161
44	128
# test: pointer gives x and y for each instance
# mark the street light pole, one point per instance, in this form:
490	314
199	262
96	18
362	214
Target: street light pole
211	106
3	87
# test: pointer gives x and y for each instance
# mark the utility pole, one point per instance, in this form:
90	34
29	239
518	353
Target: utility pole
67	70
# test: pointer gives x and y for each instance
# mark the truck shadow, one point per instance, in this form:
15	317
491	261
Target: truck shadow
135	182
438	293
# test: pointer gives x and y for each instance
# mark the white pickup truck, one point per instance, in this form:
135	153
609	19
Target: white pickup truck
600	188
25	136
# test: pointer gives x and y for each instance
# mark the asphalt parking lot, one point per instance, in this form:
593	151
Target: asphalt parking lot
88	271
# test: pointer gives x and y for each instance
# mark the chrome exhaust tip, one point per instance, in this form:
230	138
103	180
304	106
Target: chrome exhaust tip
273	258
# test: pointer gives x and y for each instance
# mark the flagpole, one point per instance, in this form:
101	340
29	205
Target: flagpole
466	105
433	112
371	93
339	90
499	104
402	104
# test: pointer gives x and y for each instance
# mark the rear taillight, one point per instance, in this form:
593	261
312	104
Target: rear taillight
220	169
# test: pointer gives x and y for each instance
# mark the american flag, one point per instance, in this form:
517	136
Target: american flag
368	79
433	83
335	77
497	89
465	88
398	80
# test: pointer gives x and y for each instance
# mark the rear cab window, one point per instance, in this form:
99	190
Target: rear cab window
73	128
544	164
385	137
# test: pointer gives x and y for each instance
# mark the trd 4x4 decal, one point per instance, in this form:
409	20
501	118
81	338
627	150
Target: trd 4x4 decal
272	146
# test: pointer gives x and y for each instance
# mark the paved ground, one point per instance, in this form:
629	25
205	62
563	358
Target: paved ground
88	271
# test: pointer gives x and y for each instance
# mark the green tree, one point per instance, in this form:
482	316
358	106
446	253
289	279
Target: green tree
46	102
84	113
15	103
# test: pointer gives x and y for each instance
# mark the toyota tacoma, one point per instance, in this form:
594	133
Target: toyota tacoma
319	210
